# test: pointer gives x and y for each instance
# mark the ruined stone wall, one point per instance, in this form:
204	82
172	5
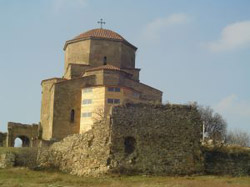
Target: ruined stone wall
227	161
80	154
143	139
3	139
7	160
156	139
20	157
27	133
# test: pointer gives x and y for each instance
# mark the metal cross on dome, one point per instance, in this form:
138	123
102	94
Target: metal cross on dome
101	22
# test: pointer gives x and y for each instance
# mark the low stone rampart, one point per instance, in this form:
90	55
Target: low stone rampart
227	160
139	139
20	157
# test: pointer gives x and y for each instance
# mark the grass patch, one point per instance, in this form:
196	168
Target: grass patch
18	177
12	149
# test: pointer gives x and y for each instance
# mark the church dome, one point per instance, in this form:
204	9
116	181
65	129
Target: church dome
99	34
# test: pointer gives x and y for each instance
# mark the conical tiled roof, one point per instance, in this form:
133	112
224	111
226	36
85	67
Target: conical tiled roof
99	34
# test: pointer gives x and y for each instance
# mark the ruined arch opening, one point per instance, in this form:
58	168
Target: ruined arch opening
21	141
129	144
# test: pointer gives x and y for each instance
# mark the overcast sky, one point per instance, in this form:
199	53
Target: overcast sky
192	50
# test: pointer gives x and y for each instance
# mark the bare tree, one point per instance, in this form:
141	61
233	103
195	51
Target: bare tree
238	137
99	115
215	126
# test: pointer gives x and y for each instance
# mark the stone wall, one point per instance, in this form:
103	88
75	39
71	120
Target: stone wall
7	160
77	53
79	154
59	98
92	51
47	107
27	133
227	161
156	139
75	70
21	157
67	99
141	139
3	139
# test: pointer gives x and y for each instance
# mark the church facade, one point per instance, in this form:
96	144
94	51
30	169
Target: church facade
99	72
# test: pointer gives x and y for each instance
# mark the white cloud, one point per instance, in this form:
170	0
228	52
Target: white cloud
233	106
154	29
233	36
63	4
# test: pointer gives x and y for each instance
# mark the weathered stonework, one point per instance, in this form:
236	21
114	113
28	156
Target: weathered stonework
18	157
141	139
79	154
27	133
7	160
227	160
3	137
160	139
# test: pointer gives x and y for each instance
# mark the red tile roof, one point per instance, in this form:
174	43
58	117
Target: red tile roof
99	34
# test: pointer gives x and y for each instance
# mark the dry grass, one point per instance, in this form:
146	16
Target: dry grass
17	177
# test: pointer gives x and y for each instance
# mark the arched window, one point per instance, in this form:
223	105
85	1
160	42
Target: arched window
72	116
105	60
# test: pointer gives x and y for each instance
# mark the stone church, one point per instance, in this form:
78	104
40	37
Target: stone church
99	72
109	121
